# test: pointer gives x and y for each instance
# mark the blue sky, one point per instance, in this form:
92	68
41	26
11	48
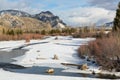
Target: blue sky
60	4
72	12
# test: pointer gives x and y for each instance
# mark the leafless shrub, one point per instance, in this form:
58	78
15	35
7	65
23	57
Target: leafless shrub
106	51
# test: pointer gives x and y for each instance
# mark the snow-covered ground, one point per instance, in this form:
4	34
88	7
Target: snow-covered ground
39	58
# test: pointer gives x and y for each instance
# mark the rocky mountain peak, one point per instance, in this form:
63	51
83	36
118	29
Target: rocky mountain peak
46	13
49	17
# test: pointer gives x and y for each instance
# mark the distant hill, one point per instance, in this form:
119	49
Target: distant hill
10	21
45	17
109	24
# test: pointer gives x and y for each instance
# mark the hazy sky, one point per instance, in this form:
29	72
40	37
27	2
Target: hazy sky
72	12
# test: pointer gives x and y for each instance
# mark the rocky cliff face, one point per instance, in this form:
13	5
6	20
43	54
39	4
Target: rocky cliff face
46	17
49	17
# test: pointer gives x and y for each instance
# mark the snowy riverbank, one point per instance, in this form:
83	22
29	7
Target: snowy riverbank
39	57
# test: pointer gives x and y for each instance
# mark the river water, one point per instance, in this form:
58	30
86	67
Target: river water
6	57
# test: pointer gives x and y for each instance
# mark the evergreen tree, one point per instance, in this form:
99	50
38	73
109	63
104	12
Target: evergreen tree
18	31
43	32
3	31
117	19
10	32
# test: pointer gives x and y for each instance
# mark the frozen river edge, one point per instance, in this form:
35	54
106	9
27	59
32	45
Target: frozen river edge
40	54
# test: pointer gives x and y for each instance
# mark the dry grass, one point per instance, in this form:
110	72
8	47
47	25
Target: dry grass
4	37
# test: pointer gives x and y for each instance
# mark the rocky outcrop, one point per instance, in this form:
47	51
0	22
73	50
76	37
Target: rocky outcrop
55	57
83	67
8	20
47	16
50	71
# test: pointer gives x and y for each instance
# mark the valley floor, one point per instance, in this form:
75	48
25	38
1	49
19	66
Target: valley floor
39	58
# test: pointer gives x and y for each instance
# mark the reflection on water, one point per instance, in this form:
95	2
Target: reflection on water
41	70
107	76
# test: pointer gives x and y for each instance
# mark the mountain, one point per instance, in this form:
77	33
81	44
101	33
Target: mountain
46	17
109	24
52	19
25	23
15	13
